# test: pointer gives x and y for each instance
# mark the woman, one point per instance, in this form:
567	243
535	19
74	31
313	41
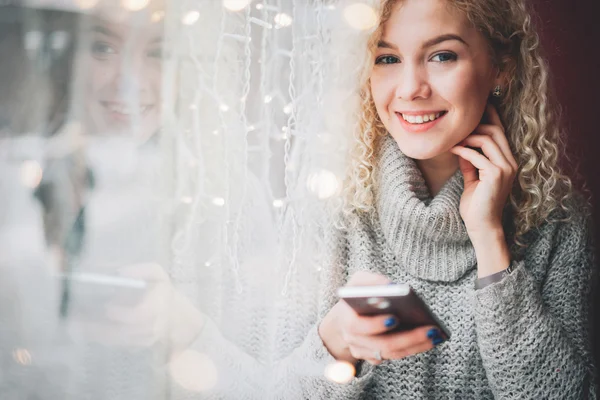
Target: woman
455	178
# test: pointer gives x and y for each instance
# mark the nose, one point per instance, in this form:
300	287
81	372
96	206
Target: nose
412	84
131	78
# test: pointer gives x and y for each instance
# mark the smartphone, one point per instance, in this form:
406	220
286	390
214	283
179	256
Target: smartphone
397	299
89	293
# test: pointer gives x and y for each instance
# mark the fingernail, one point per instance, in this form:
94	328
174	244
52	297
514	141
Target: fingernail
391	321
433	333
437	341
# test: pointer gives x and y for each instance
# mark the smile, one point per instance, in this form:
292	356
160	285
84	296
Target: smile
125	110
419	121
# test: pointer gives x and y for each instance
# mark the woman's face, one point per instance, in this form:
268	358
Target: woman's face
123	63
432	77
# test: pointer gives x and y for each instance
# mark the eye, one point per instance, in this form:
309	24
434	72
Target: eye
444	57
102	50
155	53
387	60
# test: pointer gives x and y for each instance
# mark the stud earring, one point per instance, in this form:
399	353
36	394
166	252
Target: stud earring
497	91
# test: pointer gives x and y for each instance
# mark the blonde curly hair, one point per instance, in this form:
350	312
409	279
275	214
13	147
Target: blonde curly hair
541	191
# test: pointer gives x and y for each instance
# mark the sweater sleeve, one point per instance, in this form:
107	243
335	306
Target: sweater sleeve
294	359
533	338
222	370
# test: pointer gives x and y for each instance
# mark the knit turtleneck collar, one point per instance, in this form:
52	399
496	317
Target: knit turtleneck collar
426	234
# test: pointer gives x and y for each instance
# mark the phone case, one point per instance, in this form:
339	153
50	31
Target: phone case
399	299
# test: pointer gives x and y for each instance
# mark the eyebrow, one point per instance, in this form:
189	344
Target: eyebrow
111	34
105	31
429	43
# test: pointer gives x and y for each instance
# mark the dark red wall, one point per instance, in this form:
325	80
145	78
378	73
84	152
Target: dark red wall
570	32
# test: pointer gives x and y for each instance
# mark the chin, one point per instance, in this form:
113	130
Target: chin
420	153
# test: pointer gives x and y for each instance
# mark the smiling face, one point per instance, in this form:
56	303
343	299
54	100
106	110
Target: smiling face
431	78
123	69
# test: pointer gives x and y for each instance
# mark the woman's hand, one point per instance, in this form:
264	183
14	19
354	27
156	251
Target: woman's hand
159	313
488	178
351	337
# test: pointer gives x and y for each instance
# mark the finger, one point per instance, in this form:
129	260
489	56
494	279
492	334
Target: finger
372	325
480	162
500	138
146	311
468	170
490	149
368	355
367	278
394	342
149	272
411	351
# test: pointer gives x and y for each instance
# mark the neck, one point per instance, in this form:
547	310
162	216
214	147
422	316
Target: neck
436	171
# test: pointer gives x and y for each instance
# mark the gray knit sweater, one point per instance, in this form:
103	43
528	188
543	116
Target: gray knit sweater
524	337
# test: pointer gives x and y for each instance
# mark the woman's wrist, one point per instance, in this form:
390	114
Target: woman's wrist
491	251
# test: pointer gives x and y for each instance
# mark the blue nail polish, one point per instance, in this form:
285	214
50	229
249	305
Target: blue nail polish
433	333
391	321
437	341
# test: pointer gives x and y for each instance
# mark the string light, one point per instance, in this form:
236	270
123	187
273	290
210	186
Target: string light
278	203
190	18
224	107
288	108
261	23
268	98
260	6
218	201
282	19
187	199
360	16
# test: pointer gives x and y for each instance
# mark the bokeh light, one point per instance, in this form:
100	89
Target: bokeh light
135	5
236	5
323	184
282	19
31	174
194	371
360	16
340	372
190	18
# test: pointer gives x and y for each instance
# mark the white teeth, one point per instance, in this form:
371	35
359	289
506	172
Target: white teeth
419	119
126	110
